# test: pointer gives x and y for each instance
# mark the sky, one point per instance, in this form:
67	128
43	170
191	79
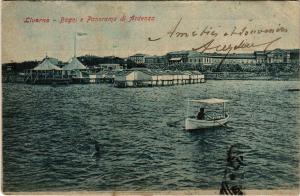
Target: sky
32	41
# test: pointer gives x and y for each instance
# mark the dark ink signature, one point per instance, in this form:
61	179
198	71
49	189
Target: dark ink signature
228	48
213	33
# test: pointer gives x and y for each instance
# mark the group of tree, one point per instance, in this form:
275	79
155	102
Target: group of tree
91	61
267	68
18	67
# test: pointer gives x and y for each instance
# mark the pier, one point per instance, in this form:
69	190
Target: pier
46	73
150	78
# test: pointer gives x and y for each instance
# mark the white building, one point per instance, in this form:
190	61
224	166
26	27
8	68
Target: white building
138	58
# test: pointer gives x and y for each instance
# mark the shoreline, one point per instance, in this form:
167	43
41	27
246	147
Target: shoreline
273	192
251	76
16	78
261	79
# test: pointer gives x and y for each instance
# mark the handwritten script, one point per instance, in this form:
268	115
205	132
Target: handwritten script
212	44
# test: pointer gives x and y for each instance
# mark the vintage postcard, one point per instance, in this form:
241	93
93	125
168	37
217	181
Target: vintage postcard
150	98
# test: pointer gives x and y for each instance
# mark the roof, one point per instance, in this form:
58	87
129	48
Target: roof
138	55
129	71
175	59
260	52
209	101
74	64
154	57
277	50
293	50
195	54
47	65
54	61
179	52
232	56
155	72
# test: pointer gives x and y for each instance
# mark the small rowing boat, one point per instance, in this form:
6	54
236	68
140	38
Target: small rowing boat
208	116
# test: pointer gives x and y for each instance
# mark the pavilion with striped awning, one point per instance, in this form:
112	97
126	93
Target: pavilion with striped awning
46	72
74	64
46	65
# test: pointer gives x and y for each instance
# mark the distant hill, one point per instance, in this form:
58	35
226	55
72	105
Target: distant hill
89	60
95	60
19	67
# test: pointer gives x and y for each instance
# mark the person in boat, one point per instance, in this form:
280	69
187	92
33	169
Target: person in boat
201	114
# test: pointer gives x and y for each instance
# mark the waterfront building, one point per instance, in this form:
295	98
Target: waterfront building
246	61
46	65
257	58
217	58
138	58
294	56
155	61
133	77
240	58
177	57
75	70
195	58
260	57
278	56
146	78
213	58
207	59
45	73
74	64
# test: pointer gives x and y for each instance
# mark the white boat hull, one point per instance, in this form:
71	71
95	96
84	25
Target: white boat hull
194	124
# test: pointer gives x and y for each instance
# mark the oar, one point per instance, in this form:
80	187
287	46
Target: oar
216	121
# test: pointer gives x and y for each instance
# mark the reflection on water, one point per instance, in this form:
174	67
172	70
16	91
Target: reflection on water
50	136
